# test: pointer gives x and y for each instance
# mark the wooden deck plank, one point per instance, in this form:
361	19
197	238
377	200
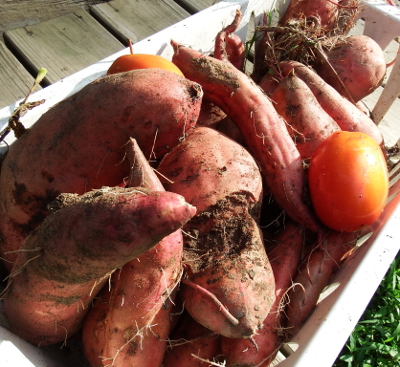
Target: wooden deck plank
63	45
16	14
137	19
15	81
197	5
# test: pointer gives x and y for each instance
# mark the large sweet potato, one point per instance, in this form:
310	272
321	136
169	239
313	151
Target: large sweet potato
263	129
64	262
79	144
123	317
228	286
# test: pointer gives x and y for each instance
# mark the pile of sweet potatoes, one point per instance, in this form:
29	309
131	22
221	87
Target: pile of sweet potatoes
166	220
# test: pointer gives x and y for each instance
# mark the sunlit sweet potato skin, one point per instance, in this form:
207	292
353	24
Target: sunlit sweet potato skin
79	144
122	323
224	252
65	261
359	62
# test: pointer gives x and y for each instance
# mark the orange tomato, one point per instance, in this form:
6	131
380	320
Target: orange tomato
348	181
142	61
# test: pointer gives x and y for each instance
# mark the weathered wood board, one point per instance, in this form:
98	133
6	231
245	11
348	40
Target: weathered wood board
15	81
63	45
197	5
137	19
16	14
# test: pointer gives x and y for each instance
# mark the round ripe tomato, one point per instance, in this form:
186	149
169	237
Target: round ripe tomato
348	181
142	61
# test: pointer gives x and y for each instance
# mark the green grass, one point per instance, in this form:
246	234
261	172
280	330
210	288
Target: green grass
375	341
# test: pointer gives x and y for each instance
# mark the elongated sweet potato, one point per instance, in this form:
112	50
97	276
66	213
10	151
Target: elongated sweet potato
308	124
345	113
313	276
65	261
79	144
123	317
360	64
263	129
228	285
284	252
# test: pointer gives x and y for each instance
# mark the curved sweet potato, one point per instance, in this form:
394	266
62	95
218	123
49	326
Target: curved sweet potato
229	46
124	317
345	113
228	286
70	255
79	144
262	128
308	124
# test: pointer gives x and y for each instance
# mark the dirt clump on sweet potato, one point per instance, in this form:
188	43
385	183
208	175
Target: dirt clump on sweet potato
228	282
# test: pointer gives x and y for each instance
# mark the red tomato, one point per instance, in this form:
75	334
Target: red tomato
348	181
142	61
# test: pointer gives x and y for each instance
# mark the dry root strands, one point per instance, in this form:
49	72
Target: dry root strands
305	31
334	17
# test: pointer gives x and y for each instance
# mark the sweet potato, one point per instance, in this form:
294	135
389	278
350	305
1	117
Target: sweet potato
79	144
360	64
228	46
191	345
268	83
345	113
123	317
210	114
228	285
313	276
65	261
263	129
284	252
308	124
326	11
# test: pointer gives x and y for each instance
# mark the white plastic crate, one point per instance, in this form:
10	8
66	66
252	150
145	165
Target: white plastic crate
327	329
